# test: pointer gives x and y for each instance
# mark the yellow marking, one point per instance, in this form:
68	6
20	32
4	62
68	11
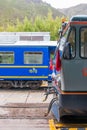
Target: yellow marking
23	66
73	128
52	125
23	77
59	126
44	83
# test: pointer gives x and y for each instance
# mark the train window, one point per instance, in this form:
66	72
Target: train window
83	42
6	57
62	41
33	57
72	41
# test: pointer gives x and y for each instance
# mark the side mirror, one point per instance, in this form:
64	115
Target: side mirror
67	51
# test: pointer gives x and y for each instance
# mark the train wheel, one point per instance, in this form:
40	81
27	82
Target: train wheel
35	85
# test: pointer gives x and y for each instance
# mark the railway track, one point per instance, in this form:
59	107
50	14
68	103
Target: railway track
31	111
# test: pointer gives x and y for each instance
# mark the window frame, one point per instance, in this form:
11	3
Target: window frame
13	54
40	52
67	40
80	42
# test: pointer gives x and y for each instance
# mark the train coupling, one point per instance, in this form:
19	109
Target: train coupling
50	90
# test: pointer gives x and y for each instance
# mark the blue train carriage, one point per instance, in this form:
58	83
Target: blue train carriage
25	63
70	97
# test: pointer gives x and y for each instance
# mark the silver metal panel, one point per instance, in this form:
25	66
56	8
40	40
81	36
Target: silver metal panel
31	43
73	77
12	37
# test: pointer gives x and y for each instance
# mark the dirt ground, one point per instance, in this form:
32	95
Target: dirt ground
23	110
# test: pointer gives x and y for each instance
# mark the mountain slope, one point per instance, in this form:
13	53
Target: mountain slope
75	10
10	10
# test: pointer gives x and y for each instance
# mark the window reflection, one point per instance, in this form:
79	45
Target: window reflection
6	57
33	57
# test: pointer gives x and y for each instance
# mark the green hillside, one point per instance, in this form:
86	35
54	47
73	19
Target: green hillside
10	10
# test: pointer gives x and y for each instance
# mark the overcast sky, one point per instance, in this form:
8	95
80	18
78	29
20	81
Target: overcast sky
64	3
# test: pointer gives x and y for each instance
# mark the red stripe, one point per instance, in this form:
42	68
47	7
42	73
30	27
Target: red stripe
78	22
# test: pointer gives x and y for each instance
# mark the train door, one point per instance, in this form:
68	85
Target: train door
74	61
69	63
83	57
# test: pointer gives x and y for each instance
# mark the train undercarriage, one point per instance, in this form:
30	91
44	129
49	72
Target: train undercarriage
20	84
71	113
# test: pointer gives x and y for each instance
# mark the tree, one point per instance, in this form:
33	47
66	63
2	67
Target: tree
27	25
39	24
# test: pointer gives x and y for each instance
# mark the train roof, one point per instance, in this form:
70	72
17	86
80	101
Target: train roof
79	18
31	43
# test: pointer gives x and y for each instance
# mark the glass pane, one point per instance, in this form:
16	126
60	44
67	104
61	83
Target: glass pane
83	42
71	40
33	57
6	57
